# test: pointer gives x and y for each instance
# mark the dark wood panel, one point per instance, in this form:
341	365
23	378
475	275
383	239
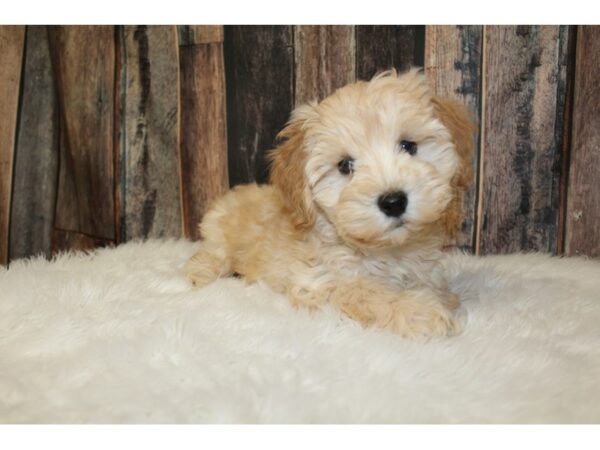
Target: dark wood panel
11	55
524	93
382	47
203	132
200	34
150	203
72	241
583	201
453	66
83	60
36	158
324	60
259	68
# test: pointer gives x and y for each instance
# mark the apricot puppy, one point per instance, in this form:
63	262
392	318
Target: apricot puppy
365	186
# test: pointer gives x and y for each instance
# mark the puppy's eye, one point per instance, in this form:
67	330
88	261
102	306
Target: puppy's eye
346	166
409	147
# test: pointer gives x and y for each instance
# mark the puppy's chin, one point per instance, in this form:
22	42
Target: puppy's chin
372	239
379	243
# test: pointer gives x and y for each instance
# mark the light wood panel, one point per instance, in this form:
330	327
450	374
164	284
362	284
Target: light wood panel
324	60
453	66
204	132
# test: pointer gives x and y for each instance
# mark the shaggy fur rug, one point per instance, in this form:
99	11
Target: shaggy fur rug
120	336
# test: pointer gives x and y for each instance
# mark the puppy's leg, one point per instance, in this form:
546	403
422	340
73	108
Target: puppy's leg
409	313
450	300
208	264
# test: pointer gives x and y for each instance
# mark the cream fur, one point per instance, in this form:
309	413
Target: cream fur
121	336
319	237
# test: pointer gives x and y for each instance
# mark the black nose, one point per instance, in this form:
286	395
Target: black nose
393	204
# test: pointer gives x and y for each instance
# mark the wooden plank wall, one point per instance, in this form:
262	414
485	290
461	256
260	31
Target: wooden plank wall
116	133
11	56
259	65
203	124
453	66
583	201
83	61
524	90
36	153
148	160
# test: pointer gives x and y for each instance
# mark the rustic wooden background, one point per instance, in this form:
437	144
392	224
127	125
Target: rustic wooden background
110	133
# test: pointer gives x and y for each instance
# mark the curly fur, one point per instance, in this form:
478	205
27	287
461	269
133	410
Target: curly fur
318	235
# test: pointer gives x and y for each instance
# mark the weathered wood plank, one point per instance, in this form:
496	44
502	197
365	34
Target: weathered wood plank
524	90
453	66
150	203
36	157
382	47
72	241
567	125
83	60
203	132
583	200
200	34
259	67
11	55
324	60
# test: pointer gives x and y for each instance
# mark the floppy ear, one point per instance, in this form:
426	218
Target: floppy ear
457	120
287	169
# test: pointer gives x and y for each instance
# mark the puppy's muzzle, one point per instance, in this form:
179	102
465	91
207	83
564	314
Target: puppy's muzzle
393	204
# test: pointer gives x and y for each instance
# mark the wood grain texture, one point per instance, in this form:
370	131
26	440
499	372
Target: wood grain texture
259	64
36	157
453	67
203	131
11	55
525	75
324	60
567	126
150	204
583	200
72	241
382	47
200	34
83	60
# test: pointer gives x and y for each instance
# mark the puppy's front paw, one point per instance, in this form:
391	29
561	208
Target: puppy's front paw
409	313
207	265
411	318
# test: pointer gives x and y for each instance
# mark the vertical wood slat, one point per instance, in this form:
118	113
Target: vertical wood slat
525	78
199	34
203	131
259	64
36	158
149	193
324	60
11	55
567	125
583	199
381	47
453	66
83	59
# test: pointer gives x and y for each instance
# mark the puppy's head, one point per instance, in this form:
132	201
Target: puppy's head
382	160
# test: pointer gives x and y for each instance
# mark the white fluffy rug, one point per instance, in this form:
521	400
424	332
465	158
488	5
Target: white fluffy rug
119	336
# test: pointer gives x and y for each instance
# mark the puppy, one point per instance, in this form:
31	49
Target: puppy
365	187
